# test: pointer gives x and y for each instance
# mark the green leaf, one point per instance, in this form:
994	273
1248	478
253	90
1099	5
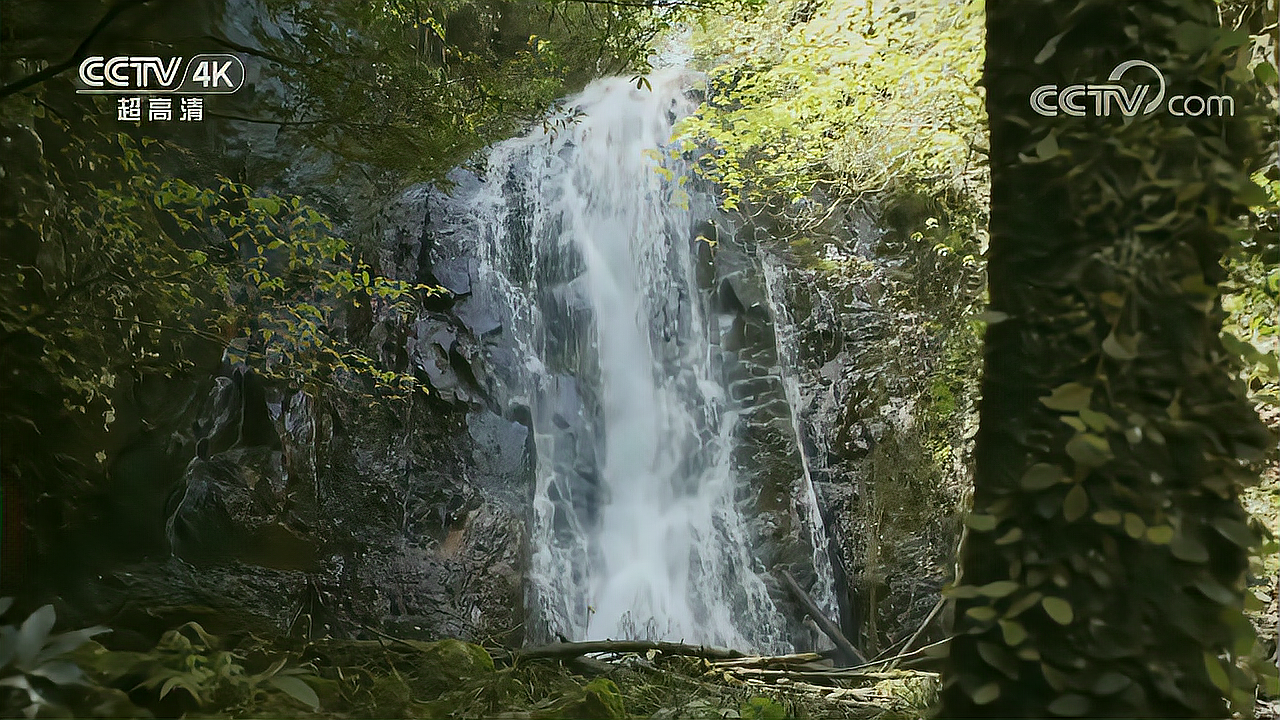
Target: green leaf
999	658
986	694
1160	534
1107	517
1235	531
1120	350
1058	609
1071	397
1048	147
999	588
61	672
1023	603
1188	548
961	592
298	689
1075	504
1192	36
32	635
981	613
1041	476
68	641
1265	73
184	682
1134	527
1049	48
1057	679
991	317
1069	705
1097	421
1216	592
1013	632
1089	450
1013	536
1217	674
1110	683
981	523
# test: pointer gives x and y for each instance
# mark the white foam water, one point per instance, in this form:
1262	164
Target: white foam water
584	235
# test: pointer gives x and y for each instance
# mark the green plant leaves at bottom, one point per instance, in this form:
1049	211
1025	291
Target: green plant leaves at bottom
296	689
32	635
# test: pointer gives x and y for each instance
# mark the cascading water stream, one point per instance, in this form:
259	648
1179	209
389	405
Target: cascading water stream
584	237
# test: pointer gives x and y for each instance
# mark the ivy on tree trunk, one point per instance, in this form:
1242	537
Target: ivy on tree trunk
1105	564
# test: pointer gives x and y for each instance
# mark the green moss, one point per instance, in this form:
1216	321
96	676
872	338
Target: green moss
762	708
601	700
455	659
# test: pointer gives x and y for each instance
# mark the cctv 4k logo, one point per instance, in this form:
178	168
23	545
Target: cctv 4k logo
1103	99
206	74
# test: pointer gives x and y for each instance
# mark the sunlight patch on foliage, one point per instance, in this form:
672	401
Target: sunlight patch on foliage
844	98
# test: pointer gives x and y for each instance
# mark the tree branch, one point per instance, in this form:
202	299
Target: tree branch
576	649
80	52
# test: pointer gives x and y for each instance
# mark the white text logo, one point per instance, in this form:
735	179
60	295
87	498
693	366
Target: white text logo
209	73
1103	98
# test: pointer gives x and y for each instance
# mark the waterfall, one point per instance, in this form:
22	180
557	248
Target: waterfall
584	252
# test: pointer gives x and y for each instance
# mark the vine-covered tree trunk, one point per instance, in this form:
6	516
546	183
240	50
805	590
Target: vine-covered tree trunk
1104	569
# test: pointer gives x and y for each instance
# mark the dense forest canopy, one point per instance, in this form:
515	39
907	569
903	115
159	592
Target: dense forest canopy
138	261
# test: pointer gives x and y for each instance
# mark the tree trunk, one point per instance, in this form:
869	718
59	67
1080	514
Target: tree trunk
1104	568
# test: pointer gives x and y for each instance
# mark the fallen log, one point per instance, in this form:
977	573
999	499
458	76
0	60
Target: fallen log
576	649
824	623
830	675
794	659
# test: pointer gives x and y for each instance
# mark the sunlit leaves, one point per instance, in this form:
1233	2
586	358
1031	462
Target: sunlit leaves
852	99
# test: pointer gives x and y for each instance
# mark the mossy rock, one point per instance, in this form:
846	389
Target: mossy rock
390	696
600	699
454	659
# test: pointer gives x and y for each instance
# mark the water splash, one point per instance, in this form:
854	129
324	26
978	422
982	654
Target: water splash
584	241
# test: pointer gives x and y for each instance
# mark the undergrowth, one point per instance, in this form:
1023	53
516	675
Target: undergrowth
192	673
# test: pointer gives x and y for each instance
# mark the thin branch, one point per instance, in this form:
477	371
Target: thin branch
247	50
649	5
268	121
80	53
575	649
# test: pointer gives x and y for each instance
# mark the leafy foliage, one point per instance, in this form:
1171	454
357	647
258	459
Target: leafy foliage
840	98
114	274
1107	551
193	662
41	674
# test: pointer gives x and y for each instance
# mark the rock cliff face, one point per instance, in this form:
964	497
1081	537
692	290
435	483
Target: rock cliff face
323	511
890	466
332	514
328	513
